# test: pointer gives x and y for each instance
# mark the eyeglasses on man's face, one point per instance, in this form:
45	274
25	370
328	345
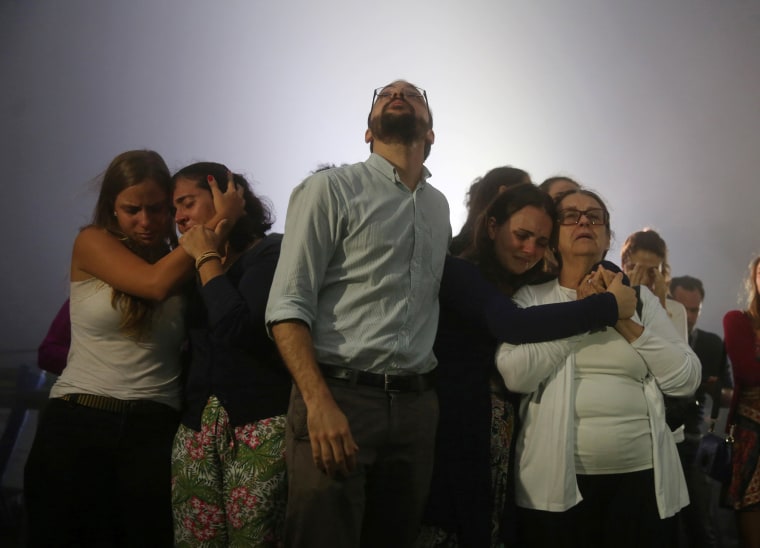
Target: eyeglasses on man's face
595	216
407	91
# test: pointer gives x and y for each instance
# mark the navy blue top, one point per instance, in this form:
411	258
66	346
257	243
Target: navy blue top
232	357
475	317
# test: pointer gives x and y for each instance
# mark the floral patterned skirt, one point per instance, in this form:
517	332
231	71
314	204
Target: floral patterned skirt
744	490
228	484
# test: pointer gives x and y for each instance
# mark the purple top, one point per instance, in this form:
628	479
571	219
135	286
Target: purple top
54	350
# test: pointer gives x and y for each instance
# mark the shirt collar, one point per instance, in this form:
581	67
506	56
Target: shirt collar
387	169
693	337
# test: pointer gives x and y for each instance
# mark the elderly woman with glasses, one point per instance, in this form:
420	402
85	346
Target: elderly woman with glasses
596	463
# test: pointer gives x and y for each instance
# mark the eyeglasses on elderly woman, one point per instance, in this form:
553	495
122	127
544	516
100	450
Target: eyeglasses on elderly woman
595	216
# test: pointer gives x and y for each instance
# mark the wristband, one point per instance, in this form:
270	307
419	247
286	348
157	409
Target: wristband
205	257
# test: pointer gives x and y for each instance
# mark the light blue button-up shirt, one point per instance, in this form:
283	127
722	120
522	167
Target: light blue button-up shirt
361	264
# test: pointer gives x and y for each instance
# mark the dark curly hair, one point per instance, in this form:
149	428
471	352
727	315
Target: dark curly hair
258	217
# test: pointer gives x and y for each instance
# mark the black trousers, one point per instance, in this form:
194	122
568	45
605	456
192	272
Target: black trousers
100	478
617	511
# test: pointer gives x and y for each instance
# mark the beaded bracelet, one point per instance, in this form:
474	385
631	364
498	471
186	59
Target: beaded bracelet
205	257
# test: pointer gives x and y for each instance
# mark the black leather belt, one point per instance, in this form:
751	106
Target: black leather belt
389	383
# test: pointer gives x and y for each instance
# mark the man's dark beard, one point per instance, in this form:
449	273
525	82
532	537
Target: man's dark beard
403	128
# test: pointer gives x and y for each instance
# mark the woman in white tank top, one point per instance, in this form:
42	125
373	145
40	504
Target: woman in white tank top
98	472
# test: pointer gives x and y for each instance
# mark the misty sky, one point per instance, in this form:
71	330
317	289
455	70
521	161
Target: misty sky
654	104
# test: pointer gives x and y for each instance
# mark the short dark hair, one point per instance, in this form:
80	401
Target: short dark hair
689	283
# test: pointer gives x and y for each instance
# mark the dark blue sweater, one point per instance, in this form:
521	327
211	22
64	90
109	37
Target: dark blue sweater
475	318
231	355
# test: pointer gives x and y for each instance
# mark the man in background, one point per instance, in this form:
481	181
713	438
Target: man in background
698	519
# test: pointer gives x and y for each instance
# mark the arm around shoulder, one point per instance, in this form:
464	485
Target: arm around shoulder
101	255
525	366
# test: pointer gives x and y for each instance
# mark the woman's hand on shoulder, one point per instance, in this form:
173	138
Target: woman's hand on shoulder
625	296
591	284
612	282
603	280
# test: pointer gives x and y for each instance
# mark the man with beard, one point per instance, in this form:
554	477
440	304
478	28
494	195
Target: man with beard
353	310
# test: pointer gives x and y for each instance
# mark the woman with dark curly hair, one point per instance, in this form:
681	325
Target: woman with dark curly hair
228	466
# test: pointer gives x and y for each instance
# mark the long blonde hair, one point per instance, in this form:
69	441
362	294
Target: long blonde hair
753	295
128	169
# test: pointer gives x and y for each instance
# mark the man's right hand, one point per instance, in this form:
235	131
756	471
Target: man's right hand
332	444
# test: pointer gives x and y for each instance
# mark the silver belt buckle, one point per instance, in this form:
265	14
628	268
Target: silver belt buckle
387	384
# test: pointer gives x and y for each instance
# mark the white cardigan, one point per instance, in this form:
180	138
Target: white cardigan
544	372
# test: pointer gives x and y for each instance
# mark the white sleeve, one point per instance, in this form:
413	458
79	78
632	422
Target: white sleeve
668	357
677	313
525	366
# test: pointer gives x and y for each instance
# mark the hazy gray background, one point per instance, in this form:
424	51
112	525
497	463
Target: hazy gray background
656	104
